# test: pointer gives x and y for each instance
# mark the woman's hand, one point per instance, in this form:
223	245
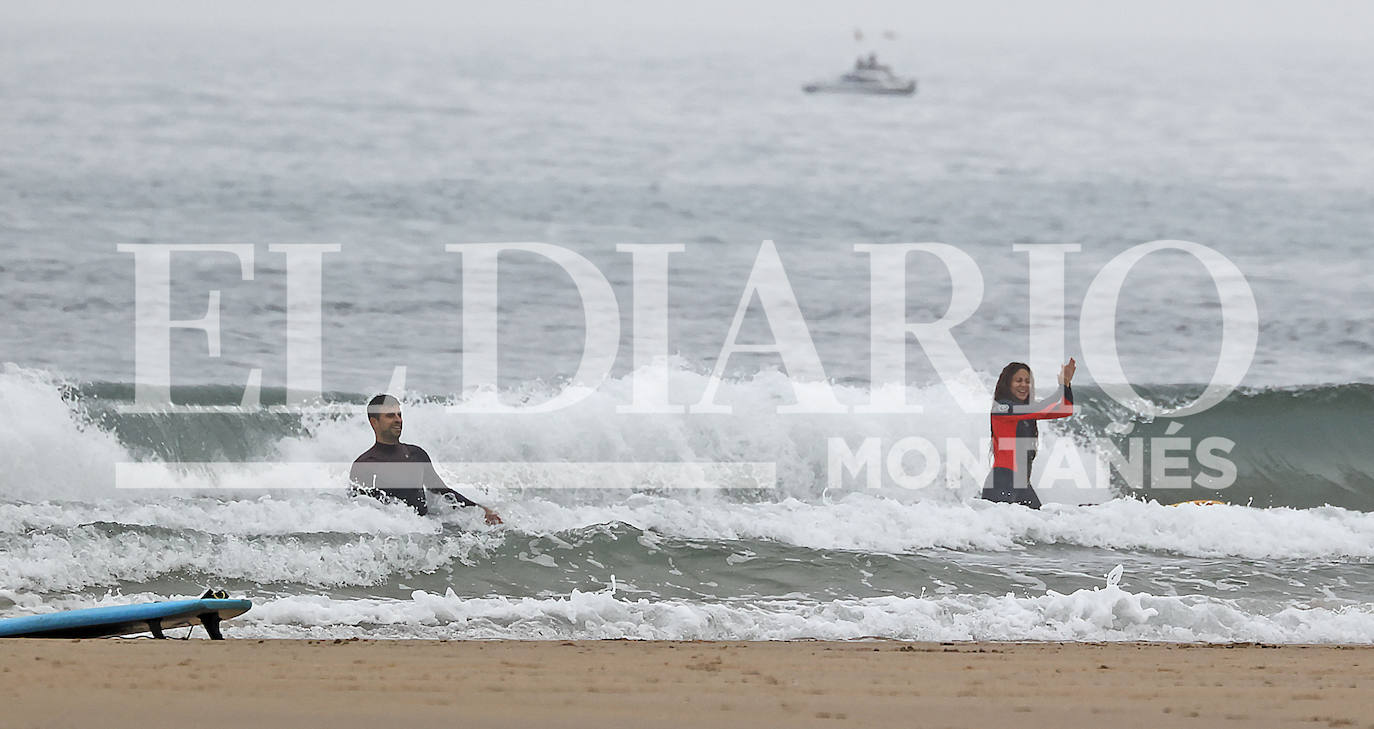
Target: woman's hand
1066	373
491	516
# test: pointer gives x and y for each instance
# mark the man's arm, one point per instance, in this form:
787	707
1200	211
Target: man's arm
361	481
434	482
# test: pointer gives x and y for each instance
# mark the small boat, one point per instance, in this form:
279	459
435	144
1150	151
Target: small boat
868	77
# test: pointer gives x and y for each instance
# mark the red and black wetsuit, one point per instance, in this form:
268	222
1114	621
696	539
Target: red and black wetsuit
402	472
1015	433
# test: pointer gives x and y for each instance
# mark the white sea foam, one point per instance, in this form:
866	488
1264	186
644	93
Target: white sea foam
82	557
1106	613
856	522
876	524
54	548
50	451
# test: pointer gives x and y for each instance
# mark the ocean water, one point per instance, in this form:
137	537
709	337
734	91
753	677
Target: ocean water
393	145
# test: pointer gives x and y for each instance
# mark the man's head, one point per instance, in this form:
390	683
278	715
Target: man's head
384	415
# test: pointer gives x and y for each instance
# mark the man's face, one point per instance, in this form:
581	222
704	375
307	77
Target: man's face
387	425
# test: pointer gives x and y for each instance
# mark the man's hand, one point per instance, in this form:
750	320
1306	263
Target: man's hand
1066	374
492	517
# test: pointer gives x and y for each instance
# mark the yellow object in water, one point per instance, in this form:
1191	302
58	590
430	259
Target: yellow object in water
1200	502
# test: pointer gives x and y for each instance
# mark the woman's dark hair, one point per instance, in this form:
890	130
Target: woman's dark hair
1003	390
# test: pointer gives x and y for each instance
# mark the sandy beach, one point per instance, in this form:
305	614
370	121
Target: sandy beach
300	684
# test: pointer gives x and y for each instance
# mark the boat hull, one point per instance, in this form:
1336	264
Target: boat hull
906	89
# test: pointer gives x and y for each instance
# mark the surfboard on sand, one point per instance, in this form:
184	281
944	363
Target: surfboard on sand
152	617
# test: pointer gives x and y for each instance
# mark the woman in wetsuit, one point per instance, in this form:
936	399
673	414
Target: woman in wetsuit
1015	434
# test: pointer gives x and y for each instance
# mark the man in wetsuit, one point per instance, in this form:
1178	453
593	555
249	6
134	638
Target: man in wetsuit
392	470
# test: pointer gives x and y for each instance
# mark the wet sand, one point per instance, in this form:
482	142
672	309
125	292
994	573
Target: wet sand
112	684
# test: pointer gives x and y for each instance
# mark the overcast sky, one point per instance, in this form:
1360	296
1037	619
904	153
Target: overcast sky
1220	19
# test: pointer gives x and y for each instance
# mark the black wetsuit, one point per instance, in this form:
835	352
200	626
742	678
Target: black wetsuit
400	472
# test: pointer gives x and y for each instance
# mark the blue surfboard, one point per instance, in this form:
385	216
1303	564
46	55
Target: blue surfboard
100	622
